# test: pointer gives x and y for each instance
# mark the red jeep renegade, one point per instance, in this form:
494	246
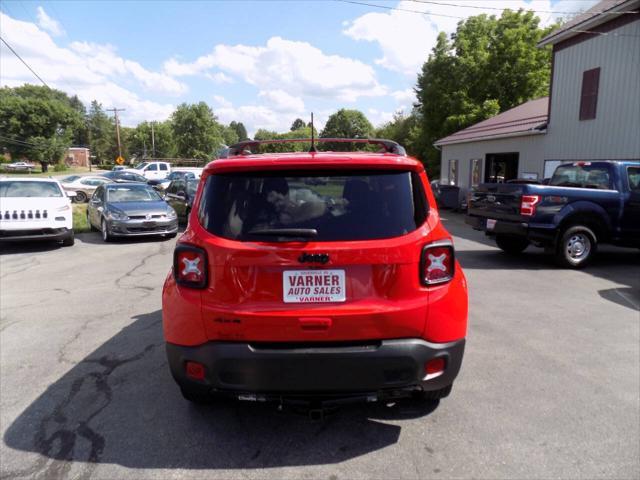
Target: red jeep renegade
319	275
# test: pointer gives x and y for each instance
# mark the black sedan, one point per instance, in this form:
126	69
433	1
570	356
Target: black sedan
179	194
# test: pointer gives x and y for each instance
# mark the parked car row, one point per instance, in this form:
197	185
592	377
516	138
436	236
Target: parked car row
34	209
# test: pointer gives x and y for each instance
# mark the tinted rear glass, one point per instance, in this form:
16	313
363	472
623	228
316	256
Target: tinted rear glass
337	205
584	176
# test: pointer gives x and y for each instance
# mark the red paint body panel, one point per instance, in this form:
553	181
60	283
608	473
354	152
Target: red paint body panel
243	300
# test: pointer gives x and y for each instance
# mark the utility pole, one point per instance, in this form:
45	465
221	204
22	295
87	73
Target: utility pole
153	142
115	114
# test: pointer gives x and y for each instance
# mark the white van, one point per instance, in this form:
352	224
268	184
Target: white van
152	170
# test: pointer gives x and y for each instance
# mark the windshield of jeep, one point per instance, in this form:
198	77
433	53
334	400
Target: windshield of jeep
325	206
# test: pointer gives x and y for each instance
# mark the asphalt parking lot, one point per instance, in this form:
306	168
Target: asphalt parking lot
549	388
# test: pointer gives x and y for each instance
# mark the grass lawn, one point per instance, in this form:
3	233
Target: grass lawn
38	172
80	224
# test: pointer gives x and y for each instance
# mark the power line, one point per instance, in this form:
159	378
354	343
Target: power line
25	63
431	2
613	34
400	9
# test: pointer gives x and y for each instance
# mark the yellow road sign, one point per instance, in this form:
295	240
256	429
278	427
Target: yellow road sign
120	161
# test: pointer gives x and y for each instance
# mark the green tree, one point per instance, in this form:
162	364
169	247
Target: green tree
240	130
140	143
196	131
490	65
303	132
37	123
297	124
101	133
346	124
230	135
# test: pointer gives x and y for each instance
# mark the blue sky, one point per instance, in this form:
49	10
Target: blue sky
260	62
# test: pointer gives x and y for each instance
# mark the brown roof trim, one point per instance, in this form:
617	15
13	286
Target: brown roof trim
511	123
601	13
496	136
598	31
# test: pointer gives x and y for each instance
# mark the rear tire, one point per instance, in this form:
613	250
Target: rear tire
196	395
433	394
80	197
511	244
577	247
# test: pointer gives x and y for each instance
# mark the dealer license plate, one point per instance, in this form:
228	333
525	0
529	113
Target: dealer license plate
491	224
313	286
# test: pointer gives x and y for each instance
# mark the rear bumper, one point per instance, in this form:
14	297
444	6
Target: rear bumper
537	232
371	369
41	234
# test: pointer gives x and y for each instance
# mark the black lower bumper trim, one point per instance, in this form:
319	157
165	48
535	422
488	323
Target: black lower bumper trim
352	370
43	235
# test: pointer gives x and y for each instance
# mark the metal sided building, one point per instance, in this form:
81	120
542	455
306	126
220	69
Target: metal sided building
592	112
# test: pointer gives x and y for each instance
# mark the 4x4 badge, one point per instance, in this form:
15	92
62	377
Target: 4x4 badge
314	258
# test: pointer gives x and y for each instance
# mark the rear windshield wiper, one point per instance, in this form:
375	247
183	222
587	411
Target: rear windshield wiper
285	232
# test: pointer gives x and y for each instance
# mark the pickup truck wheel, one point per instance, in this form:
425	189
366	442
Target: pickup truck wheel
434	394
576	247
511	244
198	396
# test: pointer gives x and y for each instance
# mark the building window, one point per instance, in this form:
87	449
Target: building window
453	172
589	95
476	172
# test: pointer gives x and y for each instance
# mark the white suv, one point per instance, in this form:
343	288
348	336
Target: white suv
35	209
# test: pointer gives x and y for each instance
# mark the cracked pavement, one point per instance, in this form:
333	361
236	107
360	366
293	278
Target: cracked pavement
550	383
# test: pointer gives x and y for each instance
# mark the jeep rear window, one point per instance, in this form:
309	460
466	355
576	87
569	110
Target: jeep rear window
9	189
336	205
582	176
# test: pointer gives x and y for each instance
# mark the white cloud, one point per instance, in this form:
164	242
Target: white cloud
104	60
408	95
49	24
221	101
406	38
89	70
281	101
298	68
219	77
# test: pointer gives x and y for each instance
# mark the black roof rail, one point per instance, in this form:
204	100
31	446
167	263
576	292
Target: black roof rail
244	148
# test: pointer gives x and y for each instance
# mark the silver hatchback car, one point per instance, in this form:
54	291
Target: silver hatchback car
130	209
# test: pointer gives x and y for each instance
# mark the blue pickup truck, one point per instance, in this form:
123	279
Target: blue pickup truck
584	204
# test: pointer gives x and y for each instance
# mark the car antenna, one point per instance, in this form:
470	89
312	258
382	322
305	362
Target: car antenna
313	144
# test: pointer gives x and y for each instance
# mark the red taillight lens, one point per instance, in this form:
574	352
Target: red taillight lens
435	365
437	263
194	370
190	266
528	205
